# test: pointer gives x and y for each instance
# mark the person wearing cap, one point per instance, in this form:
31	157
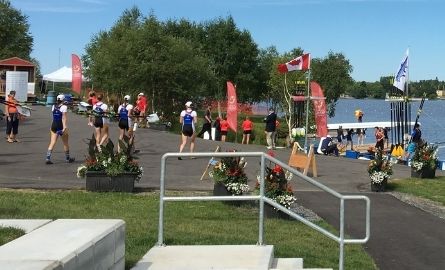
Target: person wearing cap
140	109
416	138
59	127
271	125
125	111
100	122
188	119
12	118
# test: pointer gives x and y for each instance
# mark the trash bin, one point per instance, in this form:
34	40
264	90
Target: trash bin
51	98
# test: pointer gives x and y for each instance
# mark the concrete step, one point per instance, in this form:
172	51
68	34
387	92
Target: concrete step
287	263
227	257
28	225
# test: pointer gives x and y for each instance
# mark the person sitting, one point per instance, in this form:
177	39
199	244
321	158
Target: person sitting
329	147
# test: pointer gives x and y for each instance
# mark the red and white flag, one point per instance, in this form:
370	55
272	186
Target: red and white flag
300	63
232	106
76	83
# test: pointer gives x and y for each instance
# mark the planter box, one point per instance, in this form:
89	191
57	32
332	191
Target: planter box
424	173
100	182
379	187
219	189
270	212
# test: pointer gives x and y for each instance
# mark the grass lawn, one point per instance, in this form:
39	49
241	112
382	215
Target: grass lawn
433	189
8	234
186	223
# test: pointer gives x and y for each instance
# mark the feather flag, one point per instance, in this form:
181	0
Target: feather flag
232	106
402	73
300	63
76	83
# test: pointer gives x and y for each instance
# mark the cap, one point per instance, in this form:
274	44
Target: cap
141	94
127	97
188	104
60	97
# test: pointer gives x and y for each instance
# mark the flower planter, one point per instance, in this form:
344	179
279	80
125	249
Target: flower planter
100	182
219	189
380	187
424	173
270	212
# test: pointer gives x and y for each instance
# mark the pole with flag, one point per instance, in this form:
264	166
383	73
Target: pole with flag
302	63
76	83
232	107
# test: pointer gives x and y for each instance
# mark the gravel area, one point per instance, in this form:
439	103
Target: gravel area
426	205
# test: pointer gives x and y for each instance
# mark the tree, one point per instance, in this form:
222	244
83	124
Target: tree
333	73
15	38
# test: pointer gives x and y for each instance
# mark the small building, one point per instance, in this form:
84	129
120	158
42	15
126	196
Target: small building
15	64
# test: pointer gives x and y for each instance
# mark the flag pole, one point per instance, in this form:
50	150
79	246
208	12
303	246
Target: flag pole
308	99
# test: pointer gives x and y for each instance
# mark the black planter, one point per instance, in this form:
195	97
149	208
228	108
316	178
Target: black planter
270	212
424	173
219	189
100	182
381	187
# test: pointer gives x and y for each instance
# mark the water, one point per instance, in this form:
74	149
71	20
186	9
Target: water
377	110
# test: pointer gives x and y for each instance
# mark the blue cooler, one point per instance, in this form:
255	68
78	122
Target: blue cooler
352	154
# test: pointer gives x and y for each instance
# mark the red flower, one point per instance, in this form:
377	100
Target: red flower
271	153
277	169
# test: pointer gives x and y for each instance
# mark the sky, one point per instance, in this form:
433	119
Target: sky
373	34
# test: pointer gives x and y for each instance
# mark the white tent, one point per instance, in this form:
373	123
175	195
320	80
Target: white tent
63	74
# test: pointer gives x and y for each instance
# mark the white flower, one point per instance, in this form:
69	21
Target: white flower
286	200
417	165
378	177
237	188
81	171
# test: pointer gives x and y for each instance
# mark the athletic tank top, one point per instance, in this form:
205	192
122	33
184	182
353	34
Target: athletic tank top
123	113
188	118
57	114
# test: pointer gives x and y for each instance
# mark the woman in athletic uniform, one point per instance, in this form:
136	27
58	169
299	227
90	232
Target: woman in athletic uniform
59	128
188	119
125	122
100	122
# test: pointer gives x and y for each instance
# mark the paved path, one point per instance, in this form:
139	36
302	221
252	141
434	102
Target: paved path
403	237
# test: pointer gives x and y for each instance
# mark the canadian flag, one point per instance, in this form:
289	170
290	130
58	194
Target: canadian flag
300	63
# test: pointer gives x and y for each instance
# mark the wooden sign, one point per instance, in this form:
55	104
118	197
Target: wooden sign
302	161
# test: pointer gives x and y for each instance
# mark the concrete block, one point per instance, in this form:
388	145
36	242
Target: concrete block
28	225
104	250
85	258
287	263
120	243
119	265
30	265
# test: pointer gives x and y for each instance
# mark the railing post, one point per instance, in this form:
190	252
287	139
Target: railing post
161	203
342	234
261	214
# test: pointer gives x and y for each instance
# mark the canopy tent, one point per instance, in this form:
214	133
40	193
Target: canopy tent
63	74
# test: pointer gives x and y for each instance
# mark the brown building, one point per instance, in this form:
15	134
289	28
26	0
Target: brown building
15	64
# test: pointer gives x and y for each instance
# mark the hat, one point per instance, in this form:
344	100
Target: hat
60	97
127	97
141	94
188	104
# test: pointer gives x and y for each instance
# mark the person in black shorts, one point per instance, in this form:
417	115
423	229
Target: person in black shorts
207	126
188	119
125	111
59	128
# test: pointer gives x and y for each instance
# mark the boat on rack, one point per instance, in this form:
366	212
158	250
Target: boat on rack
357	125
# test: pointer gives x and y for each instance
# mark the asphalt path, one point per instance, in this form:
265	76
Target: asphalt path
402	236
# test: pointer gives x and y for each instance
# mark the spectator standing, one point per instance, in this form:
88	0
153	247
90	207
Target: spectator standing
416	138
12	118
207	126
349	135
217	126
271	125
140	110
224	128
188	120
360	136
340	137
378	132
247	126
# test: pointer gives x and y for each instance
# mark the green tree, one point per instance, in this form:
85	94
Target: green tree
333	73
15	38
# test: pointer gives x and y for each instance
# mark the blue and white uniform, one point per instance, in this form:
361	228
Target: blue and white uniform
188	124
100	119
57	124
124	111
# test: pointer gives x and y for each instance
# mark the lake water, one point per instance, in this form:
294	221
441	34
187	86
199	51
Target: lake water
377	110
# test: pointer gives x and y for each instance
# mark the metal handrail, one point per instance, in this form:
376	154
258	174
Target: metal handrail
263	199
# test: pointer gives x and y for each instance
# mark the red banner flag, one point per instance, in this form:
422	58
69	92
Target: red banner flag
76	83
232	108
319	109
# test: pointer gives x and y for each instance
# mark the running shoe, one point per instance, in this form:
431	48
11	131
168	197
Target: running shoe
70	160
48	162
